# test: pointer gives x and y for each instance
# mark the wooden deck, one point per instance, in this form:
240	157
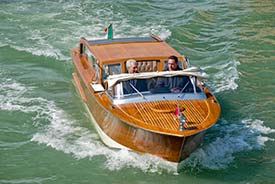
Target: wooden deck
159	115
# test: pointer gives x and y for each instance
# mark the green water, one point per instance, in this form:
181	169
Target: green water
47	137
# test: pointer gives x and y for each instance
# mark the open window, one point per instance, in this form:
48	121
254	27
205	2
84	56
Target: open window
110	69
147	65
82	48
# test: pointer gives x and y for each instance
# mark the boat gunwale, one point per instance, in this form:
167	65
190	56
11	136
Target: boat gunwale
164	132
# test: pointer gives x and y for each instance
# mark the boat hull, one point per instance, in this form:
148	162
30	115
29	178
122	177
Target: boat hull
119	134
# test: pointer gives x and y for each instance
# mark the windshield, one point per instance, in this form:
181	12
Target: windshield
157	85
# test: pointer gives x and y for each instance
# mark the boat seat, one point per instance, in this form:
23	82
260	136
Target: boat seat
147	66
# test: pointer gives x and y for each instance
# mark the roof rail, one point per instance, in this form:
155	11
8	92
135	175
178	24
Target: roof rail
156	37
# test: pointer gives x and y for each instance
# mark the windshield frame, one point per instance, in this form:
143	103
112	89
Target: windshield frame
118	95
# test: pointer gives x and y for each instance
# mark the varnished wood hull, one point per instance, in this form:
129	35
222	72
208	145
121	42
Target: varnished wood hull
169	147
145	126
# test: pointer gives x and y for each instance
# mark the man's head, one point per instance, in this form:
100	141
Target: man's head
172	63
131	66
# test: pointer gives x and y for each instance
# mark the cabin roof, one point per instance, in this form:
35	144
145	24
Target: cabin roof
119	49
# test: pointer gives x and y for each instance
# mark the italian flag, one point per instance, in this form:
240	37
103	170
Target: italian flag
109	31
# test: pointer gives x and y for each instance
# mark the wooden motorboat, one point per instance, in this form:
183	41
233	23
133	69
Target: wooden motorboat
161	122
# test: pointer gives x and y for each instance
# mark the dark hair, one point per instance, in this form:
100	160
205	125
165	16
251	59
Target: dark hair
174	58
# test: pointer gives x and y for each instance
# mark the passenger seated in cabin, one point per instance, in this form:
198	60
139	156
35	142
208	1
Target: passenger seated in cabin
174	84
132	66
139	84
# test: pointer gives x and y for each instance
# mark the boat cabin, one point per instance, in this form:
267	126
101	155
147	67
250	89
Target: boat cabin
106	60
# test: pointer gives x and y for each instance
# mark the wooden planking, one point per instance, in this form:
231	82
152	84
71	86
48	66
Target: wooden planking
79	87
200	114
195	111
192	112
118	51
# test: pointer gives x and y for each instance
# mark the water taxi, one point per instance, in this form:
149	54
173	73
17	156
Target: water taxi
160	121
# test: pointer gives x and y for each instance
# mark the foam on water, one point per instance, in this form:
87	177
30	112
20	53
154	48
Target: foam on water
232	138
27	180
42	46
59	131
65	135
81	143
50	34
3	45
225	76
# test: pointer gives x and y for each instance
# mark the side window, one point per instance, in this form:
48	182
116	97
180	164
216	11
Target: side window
92	60
91	57
110	69
82	48
96	71
147	65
